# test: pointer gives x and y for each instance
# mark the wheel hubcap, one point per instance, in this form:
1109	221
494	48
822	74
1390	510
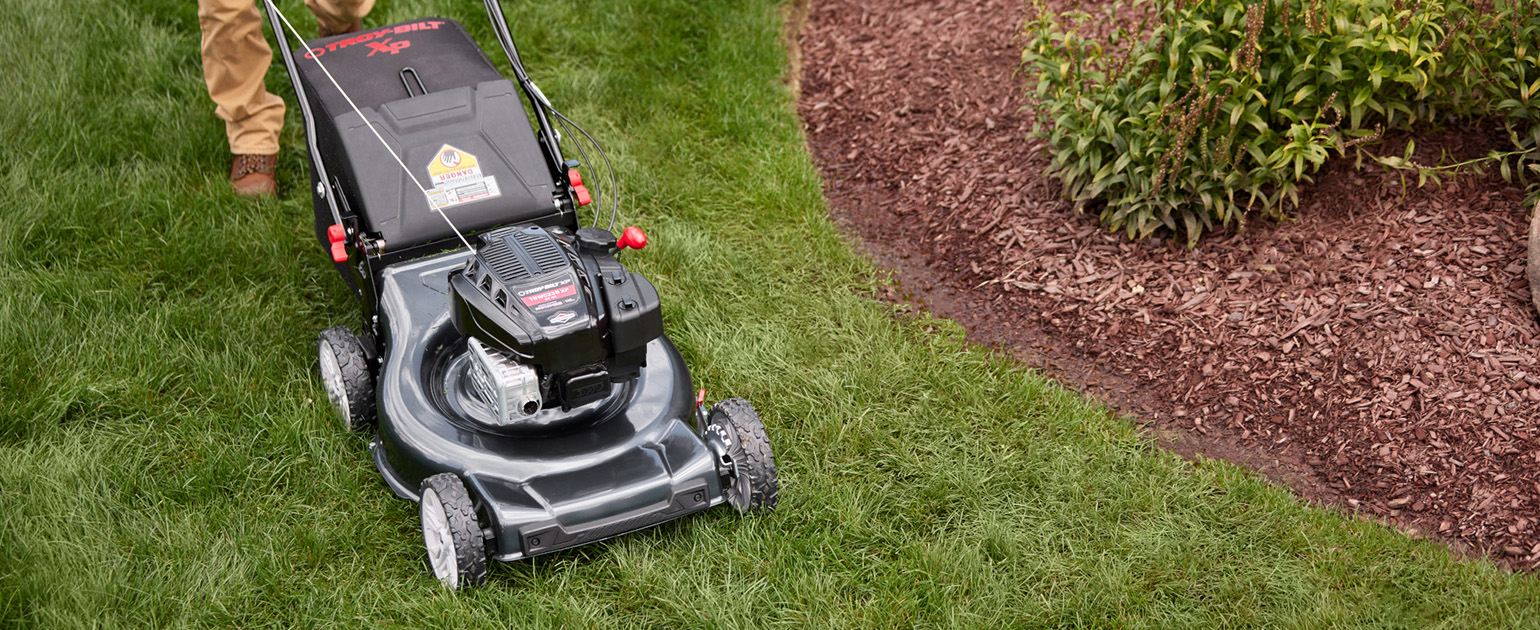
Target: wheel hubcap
336	389
738	487
439	540
739	496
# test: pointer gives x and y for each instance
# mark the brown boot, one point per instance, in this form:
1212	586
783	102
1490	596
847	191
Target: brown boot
355	27
252	175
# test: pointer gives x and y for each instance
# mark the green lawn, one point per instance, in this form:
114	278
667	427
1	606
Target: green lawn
167	457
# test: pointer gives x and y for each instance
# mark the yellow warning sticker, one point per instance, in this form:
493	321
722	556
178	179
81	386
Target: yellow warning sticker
457	179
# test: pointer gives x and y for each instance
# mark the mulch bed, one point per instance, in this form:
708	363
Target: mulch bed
1376	354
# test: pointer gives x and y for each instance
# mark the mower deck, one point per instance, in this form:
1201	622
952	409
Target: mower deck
636	463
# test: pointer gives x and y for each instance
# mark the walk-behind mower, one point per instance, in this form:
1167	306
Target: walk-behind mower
517	376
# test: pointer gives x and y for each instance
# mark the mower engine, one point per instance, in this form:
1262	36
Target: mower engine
551	318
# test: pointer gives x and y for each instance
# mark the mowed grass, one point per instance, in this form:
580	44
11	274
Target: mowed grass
167	458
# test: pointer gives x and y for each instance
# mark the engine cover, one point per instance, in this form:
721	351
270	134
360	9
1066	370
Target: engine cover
560	303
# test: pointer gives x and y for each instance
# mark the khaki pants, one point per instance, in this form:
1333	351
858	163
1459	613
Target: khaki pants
235	61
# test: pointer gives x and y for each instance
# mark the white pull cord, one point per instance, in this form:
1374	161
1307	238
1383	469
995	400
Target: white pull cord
425	194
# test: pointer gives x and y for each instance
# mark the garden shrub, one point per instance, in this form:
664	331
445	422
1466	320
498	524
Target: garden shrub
1212	109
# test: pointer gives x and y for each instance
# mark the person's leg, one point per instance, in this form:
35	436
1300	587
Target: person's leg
235	60
339	16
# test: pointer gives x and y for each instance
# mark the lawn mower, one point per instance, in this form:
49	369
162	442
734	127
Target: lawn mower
516	375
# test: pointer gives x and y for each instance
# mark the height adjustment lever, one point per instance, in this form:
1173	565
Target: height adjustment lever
338	235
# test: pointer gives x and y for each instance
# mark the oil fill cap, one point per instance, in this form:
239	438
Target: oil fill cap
592	239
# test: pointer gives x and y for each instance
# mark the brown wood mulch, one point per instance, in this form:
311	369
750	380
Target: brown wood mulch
1376	354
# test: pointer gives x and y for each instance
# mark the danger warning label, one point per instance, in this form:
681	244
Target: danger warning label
457	179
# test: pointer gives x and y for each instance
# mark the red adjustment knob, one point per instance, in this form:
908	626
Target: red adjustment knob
700	398
336	234
583	198
574	177
633	238
339	252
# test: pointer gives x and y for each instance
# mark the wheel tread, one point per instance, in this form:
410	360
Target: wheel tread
752	449
357	379
470	548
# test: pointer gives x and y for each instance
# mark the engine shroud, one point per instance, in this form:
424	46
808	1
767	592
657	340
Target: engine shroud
561	303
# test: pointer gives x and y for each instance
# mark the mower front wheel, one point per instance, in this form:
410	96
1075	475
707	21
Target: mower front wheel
451	533
751	484
346	376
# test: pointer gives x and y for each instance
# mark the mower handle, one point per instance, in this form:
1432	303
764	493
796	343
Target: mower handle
304	106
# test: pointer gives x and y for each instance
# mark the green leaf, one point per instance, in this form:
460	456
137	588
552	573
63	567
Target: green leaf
1362	94
1211	51
1102	173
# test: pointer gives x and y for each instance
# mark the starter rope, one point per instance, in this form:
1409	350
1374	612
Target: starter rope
425	194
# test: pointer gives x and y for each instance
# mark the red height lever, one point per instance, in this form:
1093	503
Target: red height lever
578	189
633	238
338	236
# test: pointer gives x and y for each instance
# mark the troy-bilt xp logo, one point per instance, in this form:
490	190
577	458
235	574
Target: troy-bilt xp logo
385	45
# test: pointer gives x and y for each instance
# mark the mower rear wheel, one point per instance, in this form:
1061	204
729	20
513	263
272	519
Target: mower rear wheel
752	485
346	376
457	553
